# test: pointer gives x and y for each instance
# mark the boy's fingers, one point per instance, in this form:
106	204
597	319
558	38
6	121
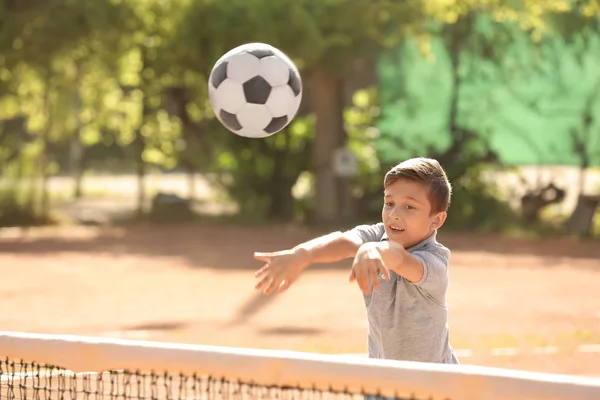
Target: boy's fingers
263	283
284	285
273	284
385	272
362	279
352	277
266	257
365	288
262	271
363	283
374	278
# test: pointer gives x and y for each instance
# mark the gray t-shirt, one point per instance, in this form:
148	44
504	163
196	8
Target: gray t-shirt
409	321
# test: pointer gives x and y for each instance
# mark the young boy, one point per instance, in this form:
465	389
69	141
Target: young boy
398	265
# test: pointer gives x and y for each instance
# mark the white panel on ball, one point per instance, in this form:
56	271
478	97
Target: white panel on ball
242	67
234	93
284	57
275	70
254	117
281	101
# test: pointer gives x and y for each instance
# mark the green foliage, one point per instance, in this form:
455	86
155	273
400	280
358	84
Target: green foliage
415	96
124	82
478	205
358	27
520	99
596	226
545	101
360	120
528	103
35	32
17	209
259	174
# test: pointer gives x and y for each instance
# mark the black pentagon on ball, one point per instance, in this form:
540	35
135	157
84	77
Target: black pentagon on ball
261	53
257	90
219	74
295	82
230	120
276	124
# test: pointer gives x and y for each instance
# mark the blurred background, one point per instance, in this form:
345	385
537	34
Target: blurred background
129	211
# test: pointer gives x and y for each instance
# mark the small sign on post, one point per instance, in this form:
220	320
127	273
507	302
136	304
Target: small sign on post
345	163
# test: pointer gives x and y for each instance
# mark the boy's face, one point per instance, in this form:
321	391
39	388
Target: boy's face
407	213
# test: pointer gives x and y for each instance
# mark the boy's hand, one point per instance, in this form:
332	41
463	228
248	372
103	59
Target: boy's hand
282	268
367	264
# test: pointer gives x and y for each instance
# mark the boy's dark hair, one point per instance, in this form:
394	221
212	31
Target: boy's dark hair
430	173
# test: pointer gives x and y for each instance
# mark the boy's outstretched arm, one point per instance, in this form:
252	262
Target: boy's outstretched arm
282	268
332	247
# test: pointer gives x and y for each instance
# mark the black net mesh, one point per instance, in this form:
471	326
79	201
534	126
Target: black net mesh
26	380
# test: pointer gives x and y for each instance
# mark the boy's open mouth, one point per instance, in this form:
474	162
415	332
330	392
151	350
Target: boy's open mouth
396	228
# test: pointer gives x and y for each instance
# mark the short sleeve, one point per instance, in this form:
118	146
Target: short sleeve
435	272
369	233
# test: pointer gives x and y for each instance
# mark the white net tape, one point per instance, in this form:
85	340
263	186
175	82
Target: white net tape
157	370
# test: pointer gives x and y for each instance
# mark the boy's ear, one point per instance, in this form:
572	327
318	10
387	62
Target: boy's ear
439	219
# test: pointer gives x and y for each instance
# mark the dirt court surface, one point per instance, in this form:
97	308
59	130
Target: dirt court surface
513	303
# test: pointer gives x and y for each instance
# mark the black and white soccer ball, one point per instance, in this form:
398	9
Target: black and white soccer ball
255	90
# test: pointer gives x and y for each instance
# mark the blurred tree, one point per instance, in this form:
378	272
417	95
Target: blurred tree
40	44
321	45
563	89
133	74
557	82
329	45
439	100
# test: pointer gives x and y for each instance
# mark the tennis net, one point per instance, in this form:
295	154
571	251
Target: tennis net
57	367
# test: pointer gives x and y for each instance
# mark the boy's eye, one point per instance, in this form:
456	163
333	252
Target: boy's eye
409	207
389	204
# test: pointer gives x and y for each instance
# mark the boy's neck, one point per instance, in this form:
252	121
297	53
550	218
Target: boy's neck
429	238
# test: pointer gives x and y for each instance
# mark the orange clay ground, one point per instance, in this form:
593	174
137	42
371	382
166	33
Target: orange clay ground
522	304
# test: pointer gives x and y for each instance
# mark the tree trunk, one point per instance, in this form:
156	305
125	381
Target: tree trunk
45	156
140	140
76	153
327	100
141	187
191	183
280	189
282	202
77	165
140	146
581	220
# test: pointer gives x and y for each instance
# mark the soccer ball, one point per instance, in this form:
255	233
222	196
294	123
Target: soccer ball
255	90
